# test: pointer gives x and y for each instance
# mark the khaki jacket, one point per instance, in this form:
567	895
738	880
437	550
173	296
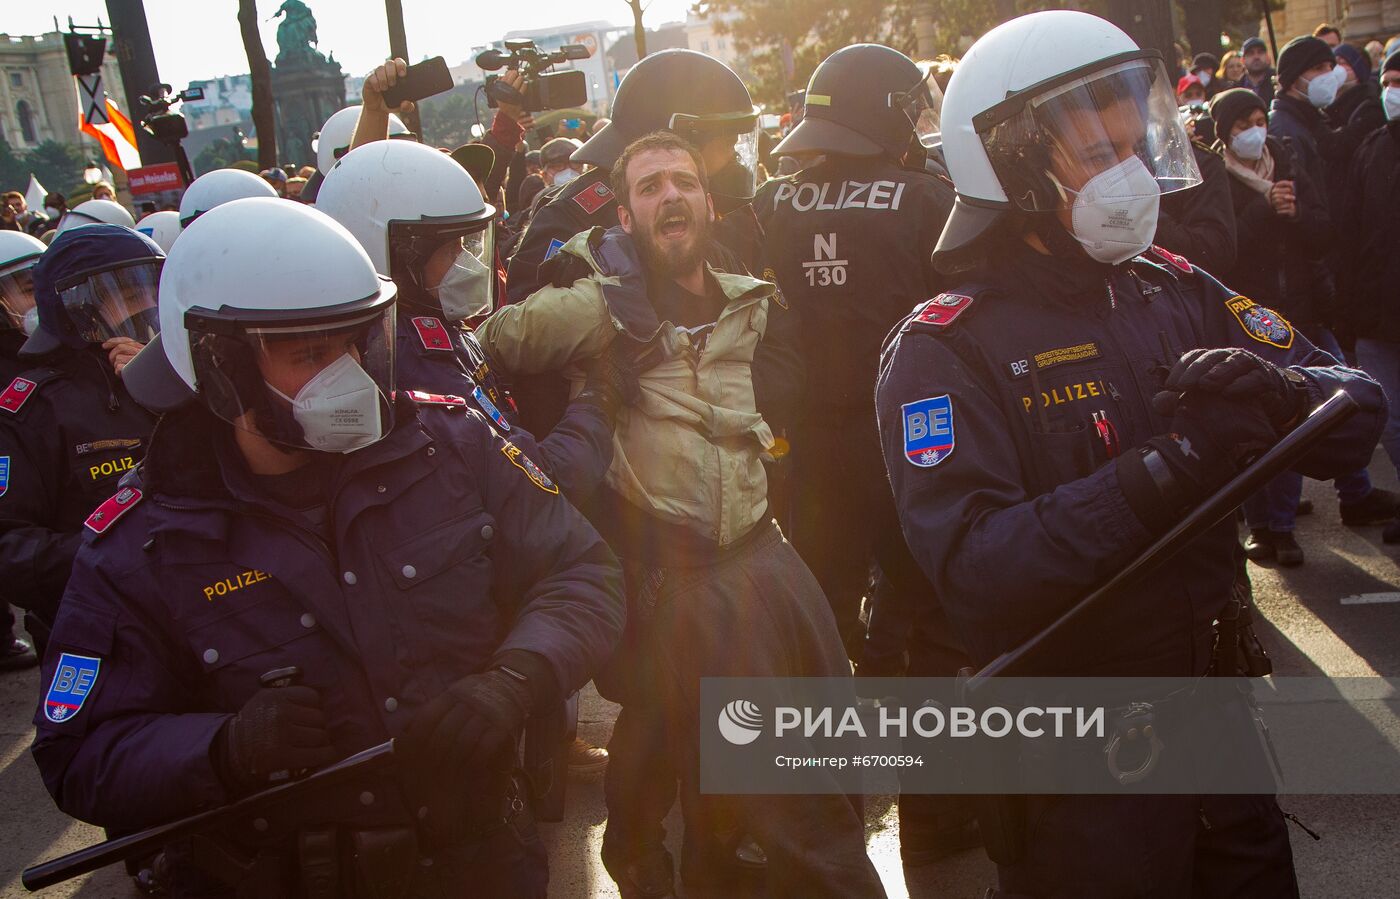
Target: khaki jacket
688	450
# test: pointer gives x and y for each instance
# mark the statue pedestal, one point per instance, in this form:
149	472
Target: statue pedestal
306	91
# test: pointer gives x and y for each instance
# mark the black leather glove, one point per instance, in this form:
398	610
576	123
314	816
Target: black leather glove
278	729
610	380
469	727
1210	439
1239	375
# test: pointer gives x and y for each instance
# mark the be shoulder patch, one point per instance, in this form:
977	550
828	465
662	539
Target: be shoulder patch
928	431
1177	262
532	471
4	474
72	684
594	198
107	514
17	394
432	333
943	310
1261	323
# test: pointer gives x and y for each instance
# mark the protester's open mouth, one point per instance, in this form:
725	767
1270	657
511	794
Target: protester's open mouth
673	227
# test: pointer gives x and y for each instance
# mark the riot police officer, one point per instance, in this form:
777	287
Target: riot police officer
217	187
18	254
414	575
694	95
96	212
1030	455
423	222
67	423
849	241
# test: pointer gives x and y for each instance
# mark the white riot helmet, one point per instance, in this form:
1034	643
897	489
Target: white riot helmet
333	140
162	227
218	187
91	211
278	323
18	253
423	222
1060	110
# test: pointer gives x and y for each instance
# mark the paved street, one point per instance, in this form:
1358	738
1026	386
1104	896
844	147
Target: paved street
1310	630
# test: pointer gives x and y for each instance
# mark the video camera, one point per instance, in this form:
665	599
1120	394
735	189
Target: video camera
162	124
542	89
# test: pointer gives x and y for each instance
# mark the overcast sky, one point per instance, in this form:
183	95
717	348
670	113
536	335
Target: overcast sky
197	39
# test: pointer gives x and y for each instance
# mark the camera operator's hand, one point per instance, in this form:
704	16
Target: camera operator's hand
514	111
378	82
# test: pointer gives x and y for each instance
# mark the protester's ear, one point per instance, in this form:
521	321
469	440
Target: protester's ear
624	218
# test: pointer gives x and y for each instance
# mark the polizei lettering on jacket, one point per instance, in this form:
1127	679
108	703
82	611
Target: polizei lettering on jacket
846	195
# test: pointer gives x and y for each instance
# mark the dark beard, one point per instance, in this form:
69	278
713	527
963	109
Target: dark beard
676	260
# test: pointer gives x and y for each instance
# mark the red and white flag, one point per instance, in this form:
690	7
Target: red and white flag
116	135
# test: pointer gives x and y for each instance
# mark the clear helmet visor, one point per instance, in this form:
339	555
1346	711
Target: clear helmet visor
1047	147
316	386
729	145
117	302
17	296
923	106
447	266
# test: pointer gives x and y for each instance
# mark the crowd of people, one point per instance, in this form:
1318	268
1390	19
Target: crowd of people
422	453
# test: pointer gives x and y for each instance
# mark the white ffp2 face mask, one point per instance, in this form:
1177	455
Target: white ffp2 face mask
1249	143
338	409
464	291
1322	90
1390	97
1115	213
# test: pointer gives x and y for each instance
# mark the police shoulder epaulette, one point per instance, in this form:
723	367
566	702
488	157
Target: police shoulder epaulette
594	197
432	333
423	398
1167	257
19	391
107	514
941	311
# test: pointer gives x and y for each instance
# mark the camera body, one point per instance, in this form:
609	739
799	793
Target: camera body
162	124
542	89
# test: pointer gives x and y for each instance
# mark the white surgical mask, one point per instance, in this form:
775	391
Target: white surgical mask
338	410
1322	90
1249	143
1391	98
1205	78
464	290
564	176
1115	213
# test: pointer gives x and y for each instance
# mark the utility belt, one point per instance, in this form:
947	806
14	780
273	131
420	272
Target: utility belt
1157	745
331	861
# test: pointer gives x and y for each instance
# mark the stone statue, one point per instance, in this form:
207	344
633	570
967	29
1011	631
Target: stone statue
296	35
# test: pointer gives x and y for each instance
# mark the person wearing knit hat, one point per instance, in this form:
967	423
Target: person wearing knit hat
1357	62
1229	106
1355	113
1203	66
1308	59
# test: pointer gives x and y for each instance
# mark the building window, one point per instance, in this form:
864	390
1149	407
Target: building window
26	122
16	79
704	46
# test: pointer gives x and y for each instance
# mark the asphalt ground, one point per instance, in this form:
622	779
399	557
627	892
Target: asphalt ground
1313	626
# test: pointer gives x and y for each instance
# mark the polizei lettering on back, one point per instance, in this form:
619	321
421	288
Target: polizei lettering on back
846	195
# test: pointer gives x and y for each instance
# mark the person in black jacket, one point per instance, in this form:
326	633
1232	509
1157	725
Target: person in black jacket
1368	224
1309	81
1281	216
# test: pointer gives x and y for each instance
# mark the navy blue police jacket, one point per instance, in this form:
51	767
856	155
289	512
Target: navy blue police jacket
990	399
68	432
444	550
441	358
